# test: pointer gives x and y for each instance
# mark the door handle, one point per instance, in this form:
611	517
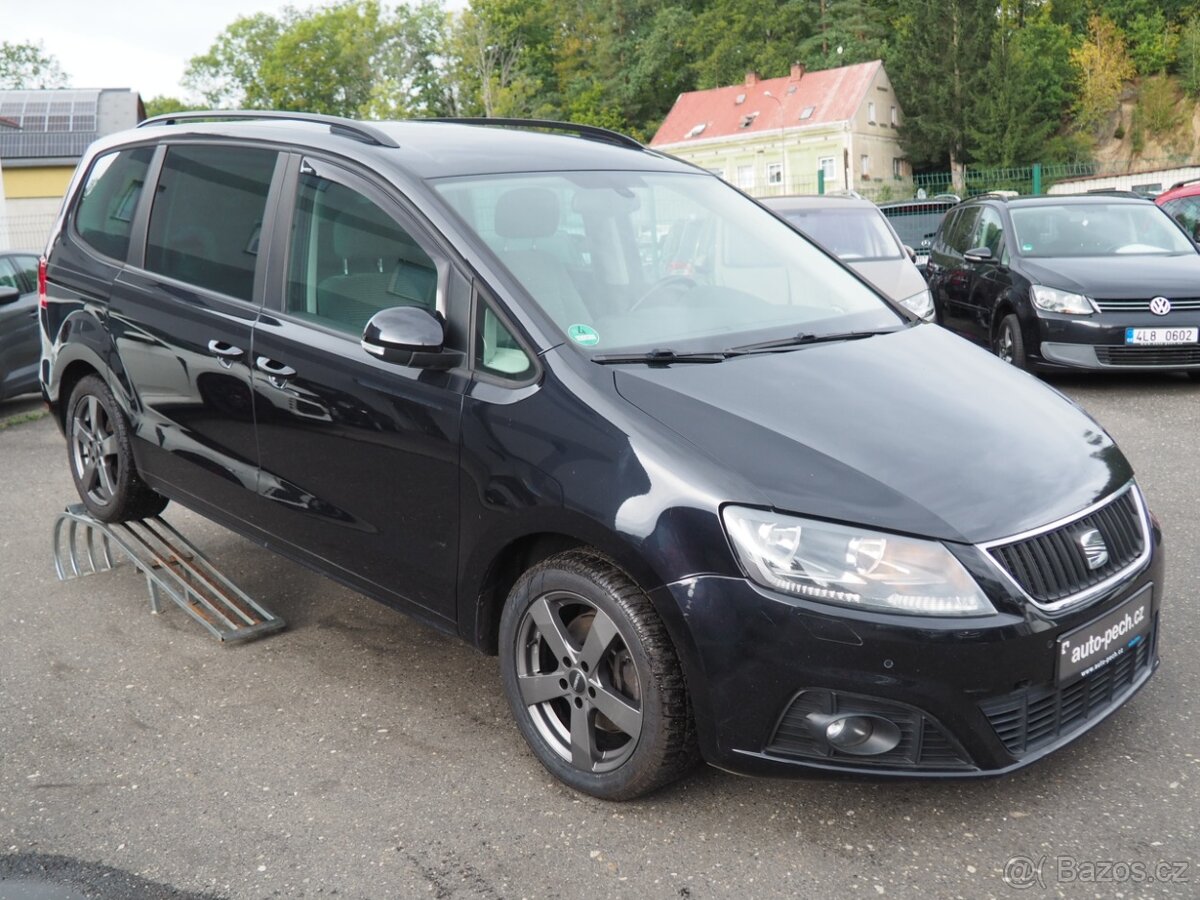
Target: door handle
225	352
277	373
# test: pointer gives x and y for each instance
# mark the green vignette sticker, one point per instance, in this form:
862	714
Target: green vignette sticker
584	335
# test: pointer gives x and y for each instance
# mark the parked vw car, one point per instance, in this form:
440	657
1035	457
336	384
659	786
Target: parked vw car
1087	282
857	233
20	344
706	497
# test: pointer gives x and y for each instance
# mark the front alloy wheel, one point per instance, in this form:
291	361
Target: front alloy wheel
592	679
102	464
1010	345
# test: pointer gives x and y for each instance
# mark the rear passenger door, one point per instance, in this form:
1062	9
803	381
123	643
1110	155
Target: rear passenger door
359	457
182	315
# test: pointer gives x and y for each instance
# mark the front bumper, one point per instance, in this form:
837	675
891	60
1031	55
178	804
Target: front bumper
958	688
1097	342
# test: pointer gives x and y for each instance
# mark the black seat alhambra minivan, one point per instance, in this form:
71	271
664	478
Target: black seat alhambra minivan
704	491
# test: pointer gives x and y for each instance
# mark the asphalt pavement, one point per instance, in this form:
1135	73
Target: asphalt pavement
363	755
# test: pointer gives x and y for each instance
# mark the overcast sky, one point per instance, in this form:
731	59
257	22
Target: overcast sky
140	44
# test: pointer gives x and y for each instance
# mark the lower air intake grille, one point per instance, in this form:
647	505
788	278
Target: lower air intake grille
923	743
1188	355
1036	716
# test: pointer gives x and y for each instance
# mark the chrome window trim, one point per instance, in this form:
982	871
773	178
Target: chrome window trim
1095	590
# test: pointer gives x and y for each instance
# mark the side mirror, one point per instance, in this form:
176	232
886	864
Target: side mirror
409	336
912	254
978	254
8	295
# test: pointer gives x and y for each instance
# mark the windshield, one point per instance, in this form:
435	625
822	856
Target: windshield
850	234
623	260
1097	229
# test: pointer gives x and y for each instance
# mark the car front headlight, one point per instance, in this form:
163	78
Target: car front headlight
1053	300
850	566
921	304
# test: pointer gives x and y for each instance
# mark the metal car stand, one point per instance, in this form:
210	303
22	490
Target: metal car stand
173	566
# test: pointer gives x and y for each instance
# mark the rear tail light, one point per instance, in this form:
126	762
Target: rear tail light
42	301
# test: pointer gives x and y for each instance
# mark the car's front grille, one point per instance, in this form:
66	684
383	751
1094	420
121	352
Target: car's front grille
1116	355
1054	565
1036	716
923	744
1142	304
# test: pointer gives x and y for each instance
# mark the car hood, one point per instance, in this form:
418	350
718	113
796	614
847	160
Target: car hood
897	278
916	431
1119	277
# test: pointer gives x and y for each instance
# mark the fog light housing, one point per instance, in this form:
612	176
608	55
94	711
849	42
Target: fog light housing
856	734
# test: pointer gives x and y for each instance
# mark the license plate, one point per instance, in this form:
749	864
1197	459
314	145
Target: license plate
1105	640
1161	336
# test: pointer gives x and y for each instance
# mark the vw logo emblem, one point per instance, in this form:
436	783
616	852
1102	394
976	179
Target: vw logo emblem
1160	306
1094	548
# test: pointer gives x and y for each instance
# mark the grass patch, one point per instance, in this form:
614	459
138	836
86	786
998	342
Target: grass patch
23	418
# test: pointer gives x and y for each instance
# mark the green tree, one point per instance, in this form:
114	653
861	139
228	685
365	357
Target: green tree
845	32
26	66
733	37
939	70
1188	57
1104	66
1029	95
325	62
501	59
161	105
1153	43
410	81
228	75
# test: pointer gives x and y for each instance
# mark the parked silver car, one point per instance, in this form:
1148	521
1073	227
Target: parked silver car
858	234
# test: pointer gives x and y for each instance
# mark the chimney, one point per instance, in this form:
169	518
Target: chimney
797	72
751	79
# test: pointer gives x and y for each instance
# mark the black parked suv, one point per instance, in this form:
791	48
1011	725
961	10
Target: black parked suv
1098	281
704	497
917	221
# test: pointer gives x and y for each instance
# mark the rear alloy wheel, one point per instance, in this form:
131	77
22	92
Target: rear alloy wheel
101	458
593	680
1010	346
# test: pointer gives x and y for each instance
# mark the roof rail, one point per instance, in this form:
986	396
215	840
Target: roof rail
1182	183
591	132
360	131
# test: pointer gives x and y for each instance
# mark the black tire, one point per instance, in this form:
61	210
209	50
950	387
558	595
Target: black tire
101	458
630	671
1009	344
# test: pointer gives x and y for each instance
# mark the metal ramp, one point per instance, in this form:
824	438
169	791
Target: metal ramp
173	566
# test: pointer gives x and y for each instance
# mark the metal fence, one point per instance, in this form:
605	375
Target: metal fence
25	231
1144	176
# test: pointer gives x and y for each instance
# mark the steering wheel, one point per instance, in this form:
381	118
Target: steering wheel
681	281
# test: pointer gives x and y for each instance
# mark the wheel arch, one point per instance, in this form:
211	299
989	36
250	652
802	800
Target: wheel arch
483	599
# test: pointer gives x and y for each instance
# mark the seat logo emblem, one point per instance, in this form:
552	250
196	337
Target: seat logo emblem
1094	548
1160	306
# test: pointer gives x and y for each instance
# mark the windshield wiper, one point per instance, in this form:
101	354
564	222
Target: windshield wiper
804	337
663	357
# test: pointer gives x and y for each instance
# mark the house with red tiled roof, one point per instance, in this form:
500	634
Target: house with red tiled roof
803	133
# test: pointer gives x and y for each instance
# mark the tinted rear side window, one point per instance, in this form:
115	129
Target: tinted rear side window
110	195
207	216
